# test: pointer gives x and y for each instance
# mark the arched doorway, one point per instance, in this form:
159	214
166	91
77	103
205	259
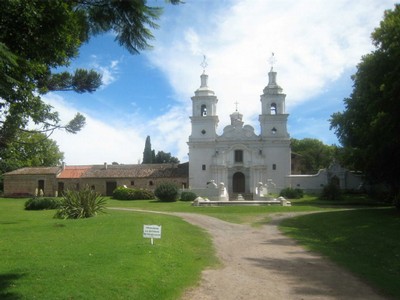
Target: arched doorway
238	182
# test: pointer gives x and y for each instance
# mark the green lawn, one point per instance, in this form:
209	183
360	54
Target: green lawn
97	258
106	256
365	241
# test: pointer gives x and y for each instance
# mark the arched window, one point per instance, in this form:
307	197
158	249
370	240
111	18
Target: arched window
203	110
273	109
238	156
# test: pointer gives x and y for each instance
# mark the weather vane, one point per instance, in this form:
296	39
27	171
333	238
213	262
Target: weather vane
272	60
204	63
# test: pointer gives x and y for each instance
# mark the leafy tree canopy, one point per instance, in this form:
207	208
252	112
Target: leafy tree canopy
369	126
313	155
30	150
39	36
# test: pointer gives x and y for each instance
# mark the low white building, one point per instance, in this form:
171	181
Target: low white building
239	158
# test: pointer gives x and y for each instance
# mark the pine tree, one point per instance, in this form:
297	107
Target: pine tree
147	153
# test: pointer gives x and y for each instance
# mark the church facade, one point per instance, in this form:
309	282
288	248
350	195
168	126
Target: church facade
239	158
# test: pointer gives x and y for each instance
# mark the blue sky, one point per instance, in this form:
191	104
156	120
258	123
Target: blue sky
317	45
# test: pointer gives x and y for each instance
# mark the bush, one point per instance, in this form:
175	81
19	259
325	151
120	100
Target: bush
188	196
42	203
331	192
80	204
167	192
123	193
291	193
141	194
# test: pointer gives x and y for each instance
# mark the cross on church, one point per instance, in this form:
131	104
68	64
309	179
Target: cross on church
236	103
204	63
272	60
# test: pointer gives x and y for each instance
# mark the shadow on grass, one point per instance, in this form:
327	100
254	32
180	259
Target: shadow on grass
6	282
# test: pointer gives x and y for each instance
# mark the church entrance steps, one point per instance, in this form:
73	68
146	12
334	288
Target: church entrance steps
238	203
240	196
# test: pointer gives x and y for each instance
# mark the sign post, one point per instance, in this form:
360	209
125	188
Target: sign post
152	232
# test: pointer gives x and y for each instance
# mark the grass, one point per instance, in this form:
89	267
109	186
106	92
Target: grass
102	257
365	241
106	256
236	214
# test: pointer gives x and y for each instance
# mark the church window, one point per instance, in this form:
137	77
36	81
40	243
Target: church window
260	152
274	167
132	182
203	110
273	131
203	131
273	109
238	156
150	182
203	167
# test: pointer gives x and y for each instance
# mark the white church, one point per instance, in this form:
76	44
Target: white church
239	158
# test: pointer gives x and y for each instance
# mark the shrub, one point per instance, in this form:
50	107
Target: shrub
291	193
331	192
123	193
188	196
167	192
80	204
141	194
42	203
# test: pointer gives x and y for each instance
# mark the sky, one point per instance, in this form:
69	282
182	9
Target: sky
317	45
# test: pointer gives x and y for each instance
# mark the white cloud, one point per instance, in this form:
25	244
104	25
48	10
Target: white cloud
314	41
98	141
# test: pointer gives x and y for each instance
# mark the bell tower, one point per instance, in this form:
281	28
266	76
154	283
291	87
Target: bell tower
204	112
273	118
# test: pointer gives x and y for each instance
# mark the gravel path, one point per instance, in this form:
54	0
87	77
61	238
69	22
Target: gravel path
262	263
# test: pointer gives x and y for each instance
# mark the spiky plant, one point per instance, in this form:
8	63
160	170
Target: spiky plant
80	204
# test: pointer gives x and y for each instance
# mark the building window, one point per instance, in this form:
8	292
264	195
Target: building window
203	167
132	182
273	131
41	185
274	167
273	109
151	182
238	156
92	187
203	110
183	185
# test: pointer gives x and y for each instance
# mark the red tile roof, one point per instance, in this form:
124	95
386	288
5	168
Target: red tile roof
73	172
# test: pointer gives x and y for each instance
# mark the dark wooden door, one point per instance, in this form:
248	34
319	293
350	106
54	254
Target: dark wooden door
239	182
110	187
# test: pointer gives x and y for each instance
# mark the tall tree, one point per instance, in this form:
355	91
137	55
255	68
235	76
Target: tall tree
147	153
369	126
38	36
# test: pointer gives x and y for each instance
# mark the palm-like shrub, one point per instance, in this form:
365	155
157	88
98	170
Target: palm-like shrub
80	204
167	192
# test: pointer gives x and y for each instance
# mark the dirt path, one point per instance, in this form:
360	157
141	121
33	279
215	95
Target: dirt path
261	263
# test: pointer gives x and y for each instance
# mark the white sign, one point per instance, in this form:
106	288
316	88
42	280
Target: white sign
152	231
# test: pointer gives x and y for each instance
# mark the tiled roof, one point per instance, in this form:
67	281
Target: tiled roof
111	171
73	172
35	171
137	171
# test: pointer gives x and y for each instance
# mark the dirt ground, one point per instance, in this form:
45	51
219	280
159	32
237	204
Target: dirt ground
261	263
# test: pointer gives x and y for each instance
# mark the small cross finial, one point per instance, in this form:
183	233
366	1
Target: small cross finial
236	104
272	60
204	63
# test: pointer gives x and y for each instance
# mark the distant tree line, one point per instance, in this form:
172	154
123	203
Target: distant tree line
150	156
